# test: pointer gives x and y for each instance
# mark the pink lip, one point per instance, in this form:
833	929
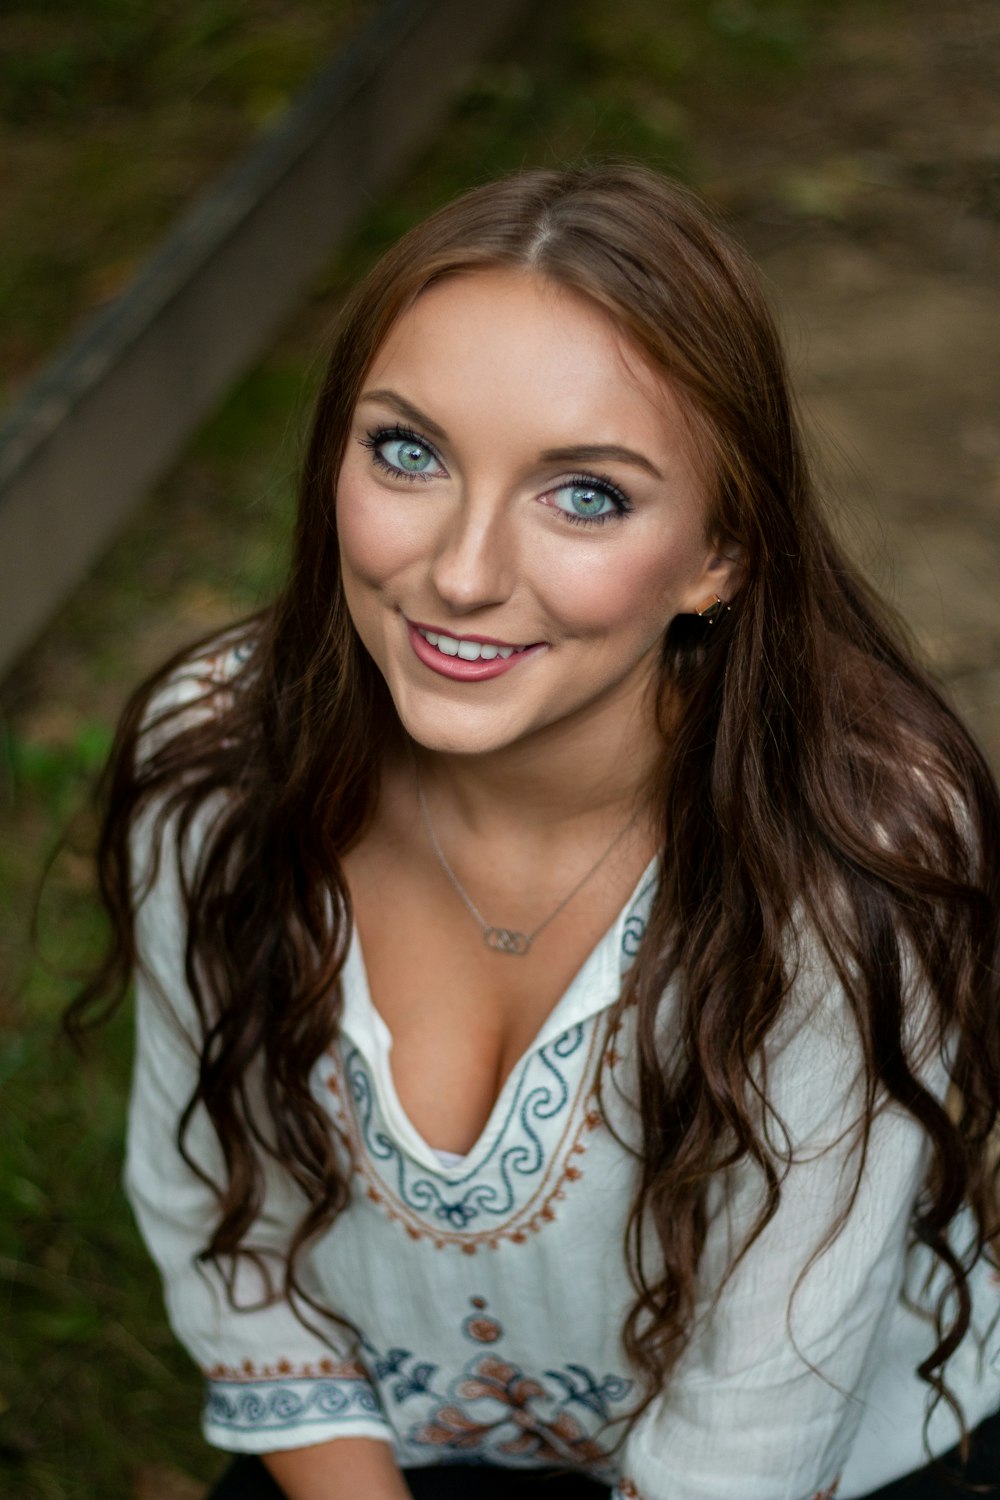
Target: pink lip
465	671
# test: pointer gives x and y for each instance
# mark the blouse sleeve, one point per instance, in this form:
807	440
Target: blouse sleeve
271	1383
767	1398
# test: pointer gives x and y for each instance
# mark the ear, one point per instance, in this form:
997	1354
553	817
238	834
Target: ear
721	577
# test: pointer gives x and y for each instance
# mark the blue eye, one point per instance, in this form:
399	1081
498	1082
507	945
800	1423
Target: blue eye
405	454
590	500
400	453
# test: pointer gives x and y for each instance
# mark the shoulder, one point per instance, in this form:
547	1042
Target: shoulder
185	726
195	686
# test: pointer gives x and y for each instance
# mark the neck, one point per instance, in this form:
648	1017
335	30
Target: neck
557	780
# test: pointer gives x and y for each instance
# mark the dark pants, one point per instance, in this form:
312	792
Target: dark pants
247	1479
931	1484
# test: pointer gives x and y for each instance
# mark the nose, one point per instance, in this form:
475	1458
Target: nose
475	561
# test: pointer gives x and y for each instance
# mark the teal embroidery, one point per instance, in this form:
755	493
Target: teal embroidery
513	1186
583	1390
493	1187
412	1382
495	1411
635	926
277	1405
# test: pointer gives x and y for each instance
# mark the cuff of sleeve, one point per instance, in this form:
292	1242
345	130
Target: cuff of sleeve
249	1413
626	1490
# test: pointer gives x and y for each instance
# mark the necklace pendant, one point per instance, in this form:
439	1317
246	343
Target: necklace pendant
506	940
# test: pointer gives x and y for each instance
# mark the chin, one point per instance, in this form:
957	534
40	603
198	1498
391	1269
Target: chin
452	740
452	729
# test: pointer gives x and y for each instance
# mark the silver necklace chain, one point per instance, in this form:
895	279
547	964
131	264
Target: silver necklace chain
508	940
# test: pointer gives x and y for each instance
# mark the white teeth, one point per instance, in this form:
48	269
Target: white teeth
468	650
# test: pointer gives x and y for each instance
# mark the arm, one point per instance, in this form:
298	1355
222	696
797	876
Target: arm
340	1470
767	1398
272	1384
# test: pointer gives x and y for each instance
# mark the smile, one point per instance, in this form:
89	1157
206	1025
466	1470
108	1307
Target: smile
466	658
467	648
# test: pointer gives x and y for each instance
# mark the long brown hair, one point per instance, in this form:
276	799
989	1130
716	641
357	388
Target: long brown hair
813	774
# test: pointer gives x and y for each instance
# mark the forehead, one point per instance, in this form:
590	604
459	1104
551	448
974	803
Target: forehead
507	347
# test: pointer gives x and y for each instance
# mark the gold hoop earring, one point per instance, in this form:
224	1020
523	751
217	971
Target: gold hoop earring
713	611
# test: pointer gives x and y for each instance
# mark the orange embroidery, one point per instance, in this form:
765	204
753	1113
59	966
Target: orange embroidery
557	1441
347	1369
483	1330
525	1220
495	1407
627	1491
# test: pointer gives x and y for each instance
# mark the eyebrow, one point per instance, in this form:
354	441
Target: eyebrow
408	410
595	453
577	453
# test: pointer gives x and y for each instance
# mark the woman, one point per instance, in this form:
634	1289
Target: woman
560	919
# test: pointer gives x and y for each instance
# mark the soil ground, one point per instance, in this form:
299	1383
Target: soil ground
857	147
891	302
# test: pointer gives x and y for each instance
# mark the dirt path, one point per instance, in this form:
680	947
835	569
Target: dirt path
872	199
902	380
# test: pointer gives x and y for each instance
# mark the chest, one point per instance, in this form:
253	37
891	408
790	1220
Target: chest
460	1015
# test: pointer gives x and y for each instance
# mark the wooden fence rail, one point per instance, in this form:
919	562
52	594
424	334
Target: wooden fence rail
108	416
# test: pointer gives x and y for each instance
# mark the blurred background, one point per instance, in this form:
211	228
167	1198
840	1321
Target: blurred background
855	146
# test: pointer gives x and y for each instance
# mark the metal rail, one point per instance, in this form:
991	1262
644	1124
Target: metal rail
107	417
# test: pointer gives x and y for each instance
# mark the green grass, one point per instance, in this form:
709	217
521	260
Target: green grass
87	1356
92	1385
92	1372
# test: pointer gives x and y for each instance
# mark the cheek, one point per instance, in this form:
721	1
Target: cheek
635	591
372	549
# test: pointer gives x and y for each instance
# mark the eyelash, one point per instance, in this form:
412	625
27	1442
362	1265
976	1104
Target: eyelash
621	502
374	439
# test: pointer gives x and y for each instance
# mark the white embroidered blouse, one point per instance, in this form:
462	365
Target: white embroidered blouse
490	1291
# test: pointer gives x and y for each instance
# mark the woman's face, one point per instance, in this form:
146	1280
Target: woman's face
520	515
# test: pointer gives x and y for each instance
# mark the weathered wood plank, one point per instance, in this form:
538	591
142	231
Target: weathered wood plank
111	412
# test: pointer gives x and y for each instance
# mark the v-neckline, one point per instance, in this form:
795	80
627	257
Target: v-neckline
593	988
